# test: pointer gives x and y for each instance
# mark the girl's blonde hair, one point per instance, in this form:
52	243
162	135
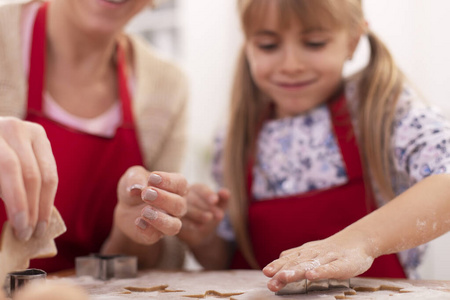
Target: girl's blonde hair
380	84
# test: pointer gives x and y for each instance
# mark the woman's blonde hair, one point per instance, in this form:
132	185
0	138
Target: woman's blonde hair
380	84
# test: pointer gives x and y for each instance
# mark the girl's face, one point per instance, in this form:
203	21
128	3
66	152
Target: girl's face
298	67
103	16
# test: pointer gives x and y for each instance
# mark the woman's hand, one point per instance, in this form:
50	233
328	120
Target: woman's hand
206	209
28	176
337	257
150	205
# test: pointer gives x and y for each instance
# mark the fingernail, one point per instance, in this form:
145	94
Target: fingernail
150	214
41	227
268	269
150	195
139	187
20	224
24	235
275	284
154	179
20	221
141	223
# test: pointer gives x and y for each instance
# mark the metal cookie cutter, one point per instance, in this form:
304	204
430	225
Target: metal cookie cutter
304	286
15	280
105	267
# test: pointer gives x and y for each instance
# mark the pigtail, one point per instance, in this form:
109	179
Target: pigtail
246	108
381	83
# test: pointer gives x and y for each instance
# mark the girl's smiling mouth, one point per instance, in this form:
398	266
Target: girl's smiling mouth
294	84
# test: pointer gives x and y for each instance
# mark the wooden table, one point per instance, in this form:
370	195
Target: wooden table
246	284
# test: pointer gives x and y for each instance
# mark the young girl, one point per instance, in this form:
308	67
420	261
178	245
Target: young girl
309	155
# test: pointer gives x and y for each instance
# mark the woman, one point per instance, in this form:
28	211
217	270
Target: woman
83	106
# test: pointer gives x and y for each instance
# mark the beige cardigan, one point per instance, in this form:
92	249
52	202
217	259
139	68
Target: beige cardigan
159	103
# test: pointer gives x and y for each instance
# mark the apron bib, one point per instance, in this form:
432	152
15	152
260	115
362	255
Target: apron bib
283	223
89	166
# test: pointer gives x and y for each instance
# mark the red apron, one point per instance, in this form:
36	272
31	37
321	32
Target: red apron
280	224
89	166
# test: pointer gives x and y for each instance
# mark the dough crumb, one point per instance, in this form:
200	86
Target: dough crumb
159	288
213	293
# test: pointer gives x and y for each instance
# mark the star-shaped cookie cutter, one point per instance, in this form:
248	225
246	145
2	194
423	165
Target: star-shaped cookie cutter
304	286
105	267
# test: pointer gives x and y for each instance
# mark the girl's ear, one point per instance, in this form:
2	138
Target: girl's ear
356	36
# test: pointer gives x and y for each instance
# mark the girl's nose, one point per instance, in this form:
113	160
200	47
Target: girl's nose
292	60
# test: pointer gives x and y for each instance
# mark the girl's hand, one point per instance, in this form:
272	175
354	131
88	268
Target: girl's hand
150	204
28	176
336	257
206	209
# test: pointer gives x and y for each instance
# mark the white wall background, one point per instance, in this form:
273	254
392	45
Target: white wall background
416	31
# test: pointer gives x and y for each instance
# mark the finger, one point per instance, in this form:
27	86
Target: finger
292	251
195	198
136	177
224	197
292	259
292	271
31	177
330	270
271	269
190	233
218	213
197	215
171	182
208	196
169	202
284	277
13	191
146	232
160	221
200	210
49	180
219	210
132	182
136	189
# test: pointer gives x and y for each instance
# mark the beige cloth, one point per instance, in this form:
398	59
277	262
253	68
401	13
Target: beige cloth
159	103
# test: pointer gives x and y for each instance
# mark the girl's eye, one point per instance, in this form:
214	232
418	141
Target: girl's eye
267	47
316	45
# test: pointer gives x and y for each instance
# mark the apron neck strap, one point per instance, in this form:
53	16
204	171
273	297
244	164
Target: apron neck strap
124	93
345	137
